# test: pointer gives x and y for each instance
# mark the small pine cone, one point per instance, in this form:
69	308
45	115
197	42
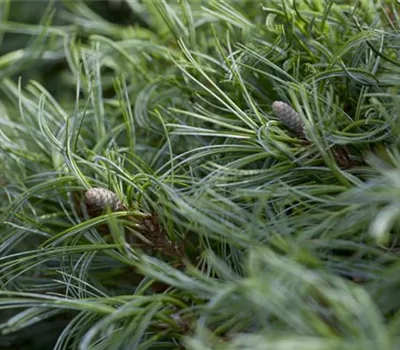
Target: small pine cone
98	199
288	116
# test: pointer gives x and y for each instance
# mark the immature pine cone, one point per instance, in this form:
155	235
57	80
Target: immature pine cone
288	116
97	199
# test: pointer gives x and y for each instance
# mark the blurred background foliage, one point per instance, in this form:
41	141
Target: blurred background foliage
51	70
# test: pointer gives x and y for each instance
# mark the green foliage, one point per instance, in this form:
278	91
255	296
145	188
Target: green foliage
168	104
